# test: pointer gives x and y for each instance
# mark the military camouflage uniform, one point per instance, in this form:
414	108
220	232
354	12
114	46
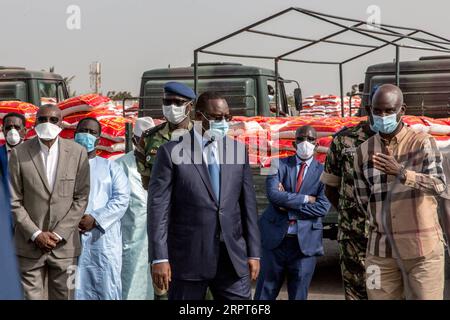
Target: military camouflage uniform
352	223
145	152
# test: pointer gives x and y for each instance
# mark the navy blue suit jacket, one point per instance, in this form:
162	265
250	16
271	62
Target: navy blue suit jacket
9	270
274	222
4	176
184	215
4	166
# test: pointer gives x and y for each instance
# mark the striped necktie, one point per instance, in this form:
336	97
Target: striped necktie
300	177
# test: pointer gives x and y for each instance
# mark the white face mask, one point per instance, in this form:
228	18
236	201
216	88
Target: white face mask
174	114
305	150
13	137
47	131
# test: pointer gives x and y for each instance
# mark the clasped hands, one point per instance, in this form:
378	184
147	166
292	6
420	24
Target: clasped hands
46	241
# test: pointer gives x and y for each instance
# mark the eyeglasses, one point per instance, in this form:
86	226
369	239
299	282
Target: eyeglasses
43	119
175	101
227	117
301	139
12	126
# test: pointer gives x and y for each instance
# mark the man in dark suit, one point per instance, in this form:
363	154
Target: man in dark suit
292	226
14	131
9	270
202	216
4	171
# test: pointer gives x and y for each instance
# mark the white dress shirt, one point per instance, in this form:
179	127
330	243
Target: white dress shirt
292	229
49	158
8	151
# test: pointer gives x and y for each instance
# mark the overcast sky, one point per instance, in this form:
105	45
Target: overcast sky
129	37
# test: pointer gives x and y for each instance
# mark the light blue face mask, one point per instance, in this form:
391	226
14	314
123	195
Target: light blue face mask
371	125
386	124
87	140
219	128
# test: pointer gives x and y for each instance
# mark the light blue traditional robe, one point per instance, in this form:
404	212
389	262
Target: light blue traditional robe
99	266
136	278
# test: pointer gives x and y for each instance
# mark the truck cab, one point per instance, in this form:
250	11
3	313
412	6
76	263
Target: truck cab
36	87
425	84
247	89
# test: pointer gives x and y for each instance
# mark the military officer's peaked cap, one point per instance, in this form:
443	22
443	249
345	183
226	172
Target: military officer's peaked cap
179	89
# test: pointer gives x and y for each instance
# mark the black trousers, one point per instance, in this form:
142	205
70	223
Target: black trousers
226	285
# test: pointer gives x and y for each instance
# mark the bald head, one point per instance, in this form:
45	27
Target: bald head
306	131
49	108
388	94
49	113
388	100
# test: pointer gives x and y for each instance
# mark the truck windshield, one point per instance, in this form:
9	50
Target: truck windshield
50	92
271	98
13	90
239	92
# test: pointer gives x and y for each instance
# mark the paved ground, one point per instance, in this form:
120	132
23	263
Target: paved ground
327	281
326	284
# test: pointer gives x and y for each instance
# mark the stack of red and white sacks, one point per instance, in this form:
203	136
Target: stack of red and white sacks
112	141
131	109
438	128
268	138
329	106
27	109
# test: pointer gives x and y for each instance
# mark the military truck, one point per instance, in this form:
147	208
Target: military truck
246	89
425	84
36	87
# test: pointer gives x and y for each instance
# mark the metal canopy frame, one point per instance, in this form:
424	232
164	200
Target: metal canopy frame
434	43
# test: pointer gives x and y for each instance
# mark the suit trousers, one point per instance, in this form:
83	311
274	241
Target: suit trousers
57	275
226	285
425	277
285	261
